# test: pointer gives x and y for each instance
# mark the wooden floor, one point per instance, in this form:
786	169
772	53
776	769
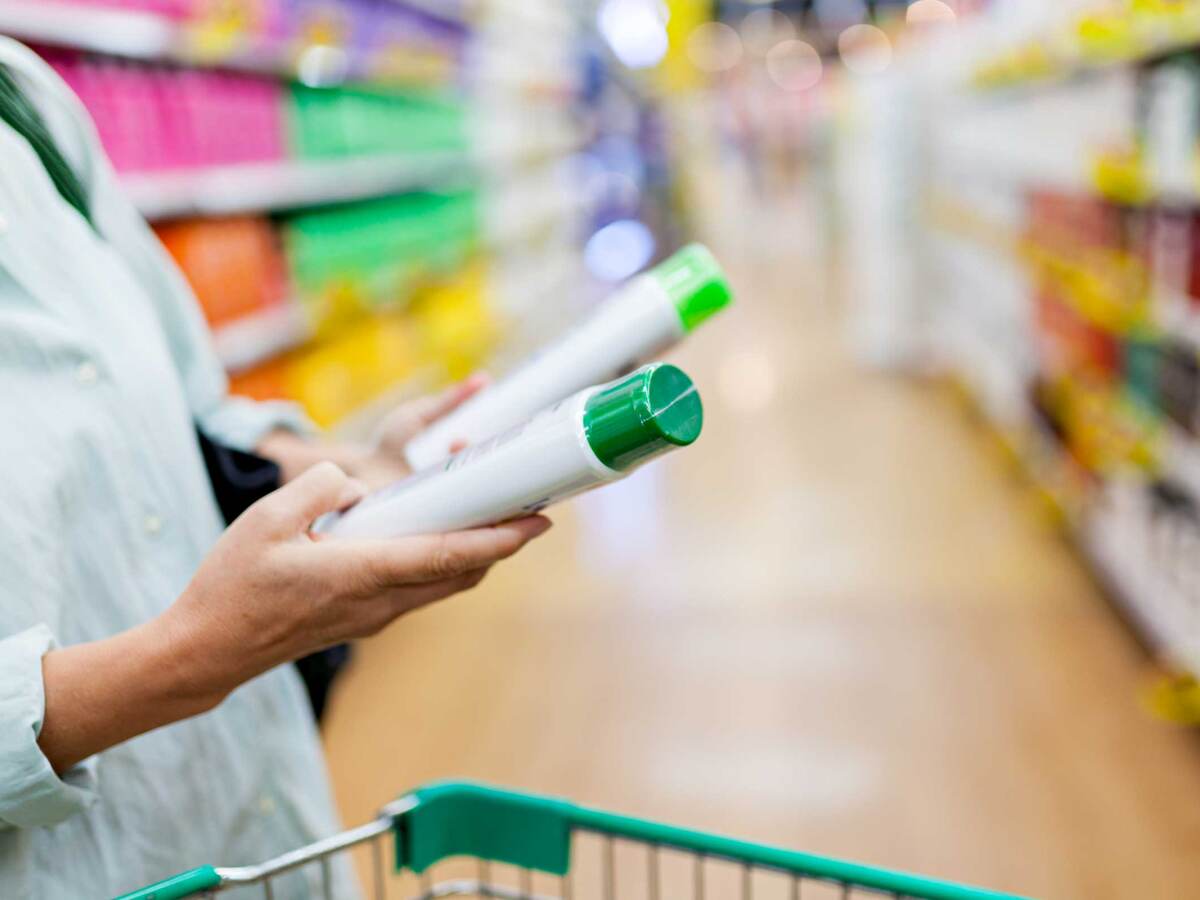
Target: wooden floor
833	624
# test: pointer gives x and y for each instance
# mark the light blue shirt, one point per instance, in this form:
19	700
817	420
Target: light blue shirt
106	509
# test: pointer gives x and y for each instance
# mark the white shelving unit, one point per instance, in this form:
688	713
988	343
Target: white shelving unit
255	187
257	337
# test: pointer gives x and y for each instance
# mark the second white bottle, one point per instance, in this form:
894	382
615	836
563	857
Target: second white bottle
634	325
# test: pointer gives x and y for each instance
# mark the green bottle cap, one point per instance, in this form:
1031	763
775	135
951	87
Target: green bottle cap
694	281
644	415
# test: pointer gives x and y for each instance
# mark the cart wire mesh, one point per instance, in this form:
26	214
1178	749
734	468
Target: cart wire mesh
467	840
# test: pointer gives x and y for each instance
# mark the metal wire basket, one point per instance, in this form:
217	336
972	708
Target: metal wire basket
458	839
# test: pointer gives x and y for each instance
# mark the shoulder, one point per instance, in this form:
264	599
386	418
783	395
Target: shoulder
65	115
33	72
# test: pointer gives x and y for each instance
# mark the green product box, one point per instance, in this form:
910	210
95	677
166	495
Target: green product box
362	121
371	254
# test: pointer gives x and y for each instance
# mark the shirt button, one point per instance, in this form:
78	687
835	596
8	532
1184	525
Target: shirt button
87	373
153	524
3	224
266	805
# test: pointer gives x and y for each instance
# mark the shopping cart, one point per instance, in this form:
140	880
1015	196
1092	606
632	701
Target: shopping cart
500	844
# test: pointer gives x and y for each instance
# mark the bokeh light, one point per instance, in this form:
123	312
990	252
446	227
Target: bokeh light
763	29
619	250
636	30
865	49
714	47
929	12
794	65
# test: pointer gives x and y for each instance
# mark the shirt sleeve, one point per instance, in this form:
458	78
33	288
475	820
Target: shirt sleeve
234	422
31	794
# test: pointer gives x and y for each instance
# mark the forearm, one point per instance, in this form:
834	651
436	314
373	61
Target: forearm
100	694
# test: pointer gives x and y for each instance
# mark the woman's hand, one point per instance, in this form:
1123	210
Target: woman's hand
269	592
408	420
381	462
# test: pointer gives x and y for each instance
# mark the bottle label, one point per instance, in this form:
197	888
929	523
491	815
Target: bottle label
562	415
545	418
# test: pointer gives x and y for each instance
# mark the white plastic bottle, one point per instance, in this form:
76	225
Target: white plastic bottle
649	314
598	435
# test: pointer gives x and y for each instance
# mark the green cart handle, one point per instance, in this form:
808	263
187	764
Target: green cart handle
177	887
458	818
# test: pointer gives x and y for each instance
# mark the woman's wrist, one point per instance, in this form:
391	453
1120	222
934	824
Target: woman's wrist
105	692
195	667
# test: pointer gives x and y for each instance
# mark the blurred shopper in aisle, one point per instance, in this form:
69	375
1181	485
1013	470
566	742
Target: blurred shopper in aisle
123	608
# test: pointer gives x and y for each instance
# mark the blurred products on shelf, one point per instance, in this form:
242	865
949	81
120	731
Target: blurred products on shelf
448	332
351	259
153	117
361	121
371	196
1081	36
364	194
1051	247
235	266
317	41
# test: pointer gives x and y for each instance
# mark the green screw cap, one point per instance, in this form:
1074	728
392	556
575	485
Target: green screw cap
644	415
695	282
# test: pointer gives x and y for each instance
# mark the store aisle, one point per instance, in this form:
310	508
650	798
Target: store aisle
834	624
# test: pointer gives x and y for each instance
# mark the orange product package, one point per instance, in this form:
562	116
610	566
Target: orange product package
234	265
266	381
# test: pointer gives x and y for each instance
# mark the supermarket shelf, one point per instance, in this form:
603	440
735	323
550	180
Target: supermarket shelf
129	33
504	232
1149	603
1145	601
273	186
1054	58
260	336
256	187
120	32
147	36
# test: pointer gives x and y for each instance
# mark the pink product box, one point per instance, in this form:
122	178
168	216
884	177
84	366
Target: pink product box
152	118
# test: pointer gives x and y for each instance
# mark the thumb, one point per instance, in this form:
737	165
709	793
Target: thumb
321	489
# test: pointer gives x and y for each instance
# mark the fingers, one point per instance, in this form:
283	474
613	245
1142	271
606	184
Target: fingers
405	422
322	488
380	612
451	398
431	558
416	597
